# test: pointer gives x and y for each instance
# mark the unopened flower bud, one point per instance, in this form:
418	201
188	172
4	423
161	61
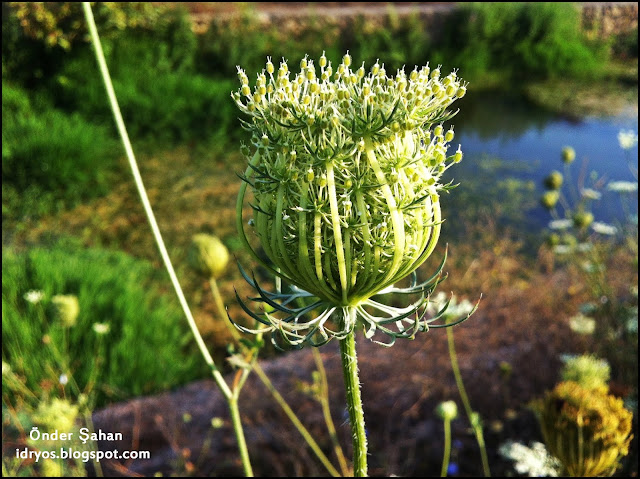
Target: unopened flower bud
568	154
66	309
449	135
208	255
582	219
550	199
447	410
554	180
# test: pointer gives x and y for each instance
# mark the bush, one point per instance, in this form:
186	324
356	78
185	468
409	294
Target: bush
520	40
47	151
398	41
148	346
177	105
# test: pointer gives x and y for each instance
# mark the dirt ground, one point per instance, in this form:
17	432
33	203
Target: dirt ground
401	387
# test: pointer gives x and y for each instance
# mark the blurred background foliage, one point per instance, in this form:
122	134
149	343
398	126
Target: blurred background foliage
113	289
174	84
60	150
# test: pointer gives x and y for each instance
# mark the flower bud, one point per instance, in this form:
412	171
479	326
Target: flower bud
550	199
568	154
582	219
449	135
554	180
65	309
208	255
323	61
447	410
457	158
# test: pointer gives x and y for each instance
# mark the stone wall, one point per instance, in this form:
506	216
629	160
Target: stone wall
609	18
600	19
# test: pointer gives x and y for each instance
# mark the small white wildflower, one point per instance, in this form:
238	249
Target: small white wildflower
591	194
562	249
560	224
101	328
64	379
454	309
534	461
604	228
34	296
622	186
584	247
582	324
627	139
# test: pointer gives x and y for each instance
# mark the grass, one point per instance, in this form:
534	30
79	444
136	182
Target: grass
147	348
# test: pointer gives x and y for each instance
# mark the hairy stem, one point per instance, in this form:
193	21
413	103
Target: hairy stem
354	403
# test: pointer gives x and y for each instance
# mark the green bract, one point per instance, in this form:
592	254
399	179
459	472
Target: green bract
345	171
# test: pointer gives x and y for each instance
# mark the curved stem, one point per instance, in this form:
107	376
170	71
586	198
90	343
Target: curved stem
144	198
296	422
269	385
447	448
475	423
113	101
354	403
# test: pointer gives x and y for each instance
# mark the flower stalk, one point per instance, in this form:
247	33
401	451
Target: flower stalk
354	404
228	393
345	169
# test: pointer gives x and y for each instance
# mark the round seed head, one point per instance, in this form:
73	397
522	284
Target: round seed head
65	309
208	255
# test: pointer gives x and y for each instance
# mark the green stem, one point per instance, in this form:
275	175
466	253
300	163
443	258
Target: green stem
296	422
475	424
326	411
354	404
242	444
113	101
447	448
269	385
122	130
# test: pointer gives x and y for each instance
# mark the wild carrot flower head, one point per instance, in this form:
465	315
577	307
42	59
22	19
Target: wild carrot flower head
586	429
345	168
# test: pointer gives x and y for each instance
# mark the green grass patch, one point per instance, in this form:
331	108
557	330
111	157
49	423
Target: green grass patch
49	156
148	347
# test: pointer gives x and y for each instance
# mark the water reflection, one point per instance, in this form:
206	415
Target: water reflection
528	141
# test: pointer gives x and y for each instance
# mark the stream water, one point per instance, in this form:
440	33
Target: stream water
528	142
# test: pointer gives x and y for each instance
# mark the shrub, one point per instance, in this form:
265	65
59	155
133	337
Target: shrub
398	41
47	151
178	105
145	349
520	40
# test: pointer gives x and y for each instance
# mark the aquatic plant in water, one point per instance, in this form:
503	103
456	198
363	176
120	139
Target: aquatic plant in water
345	168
